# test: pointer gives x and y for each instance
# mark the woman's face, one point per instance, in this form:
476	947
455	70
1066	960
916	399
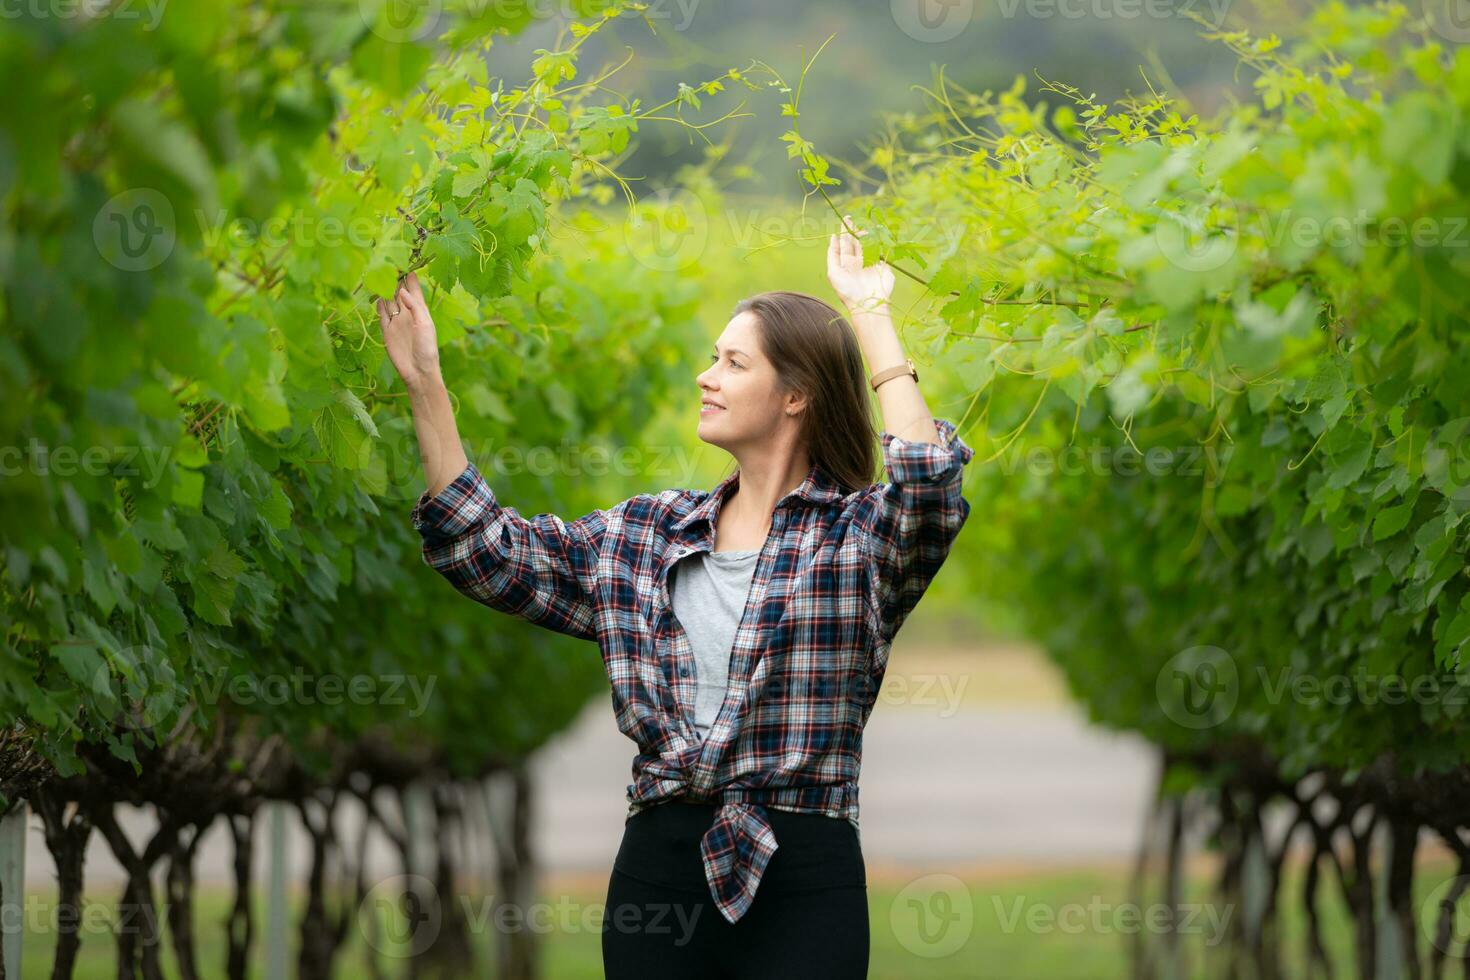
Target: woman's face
741	402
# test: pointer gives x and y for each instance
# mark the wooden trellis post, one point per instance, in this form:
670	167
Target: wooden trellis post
13	883
276	927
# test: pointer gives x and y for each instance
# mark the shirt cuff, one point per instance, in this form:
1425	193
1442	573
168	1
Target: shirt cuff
454	509
909	461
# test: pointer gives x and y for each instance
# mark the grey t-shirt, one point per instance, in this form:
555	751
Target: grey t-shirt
709	590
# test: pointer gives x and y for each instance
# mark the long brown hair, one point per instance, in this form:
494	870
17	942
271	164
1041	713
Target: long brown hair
815	350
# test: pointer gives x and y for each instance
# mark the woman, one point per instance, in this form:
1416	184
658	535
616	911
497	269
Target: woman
745	630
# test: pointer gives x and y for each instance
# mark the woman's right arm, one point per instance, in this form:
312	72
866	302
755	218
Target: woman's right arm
413	347
540	569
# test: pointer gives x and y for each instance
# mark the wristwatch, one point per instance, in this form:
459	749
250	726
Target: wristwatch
907	367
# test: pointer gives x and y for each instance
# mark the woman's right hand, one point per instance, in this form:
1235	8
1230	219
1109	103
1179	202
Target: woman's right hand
408	333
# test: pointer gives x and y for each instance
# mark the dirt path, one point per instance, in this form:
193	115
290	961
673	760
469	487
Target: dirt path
950	775
971	759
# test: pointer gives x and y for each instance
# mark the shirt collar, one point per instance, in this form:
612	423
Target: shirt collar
818	488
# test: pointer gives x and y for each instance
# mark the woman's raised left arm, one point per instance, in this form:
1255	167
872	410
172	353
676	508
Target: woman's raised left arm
913	520
865	292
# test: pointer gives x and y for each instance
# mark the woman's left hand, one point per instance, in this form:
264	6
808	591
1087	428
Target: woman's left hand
861	289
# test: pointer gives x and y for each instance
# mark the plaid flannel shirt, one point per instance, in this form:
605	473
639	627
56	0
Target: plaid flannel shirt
837	576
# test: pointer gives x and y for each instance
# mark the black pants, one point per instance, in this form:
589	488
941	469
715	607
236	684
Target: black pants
809	918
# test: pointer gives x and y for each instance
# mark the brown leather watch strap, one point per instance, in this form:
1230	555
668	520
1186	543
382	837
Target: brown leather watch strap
907	367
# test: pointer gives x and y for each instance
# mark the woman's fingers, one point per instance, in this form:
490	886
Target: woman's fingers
387	311
834	253
413	303
408	299
854	236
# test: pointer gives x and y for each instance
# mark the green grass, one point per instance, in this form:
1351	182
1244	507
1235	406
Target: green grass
1058	925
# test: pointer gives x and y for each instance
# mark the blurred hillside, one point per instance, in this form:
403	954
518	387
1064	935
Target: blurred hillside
883	51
